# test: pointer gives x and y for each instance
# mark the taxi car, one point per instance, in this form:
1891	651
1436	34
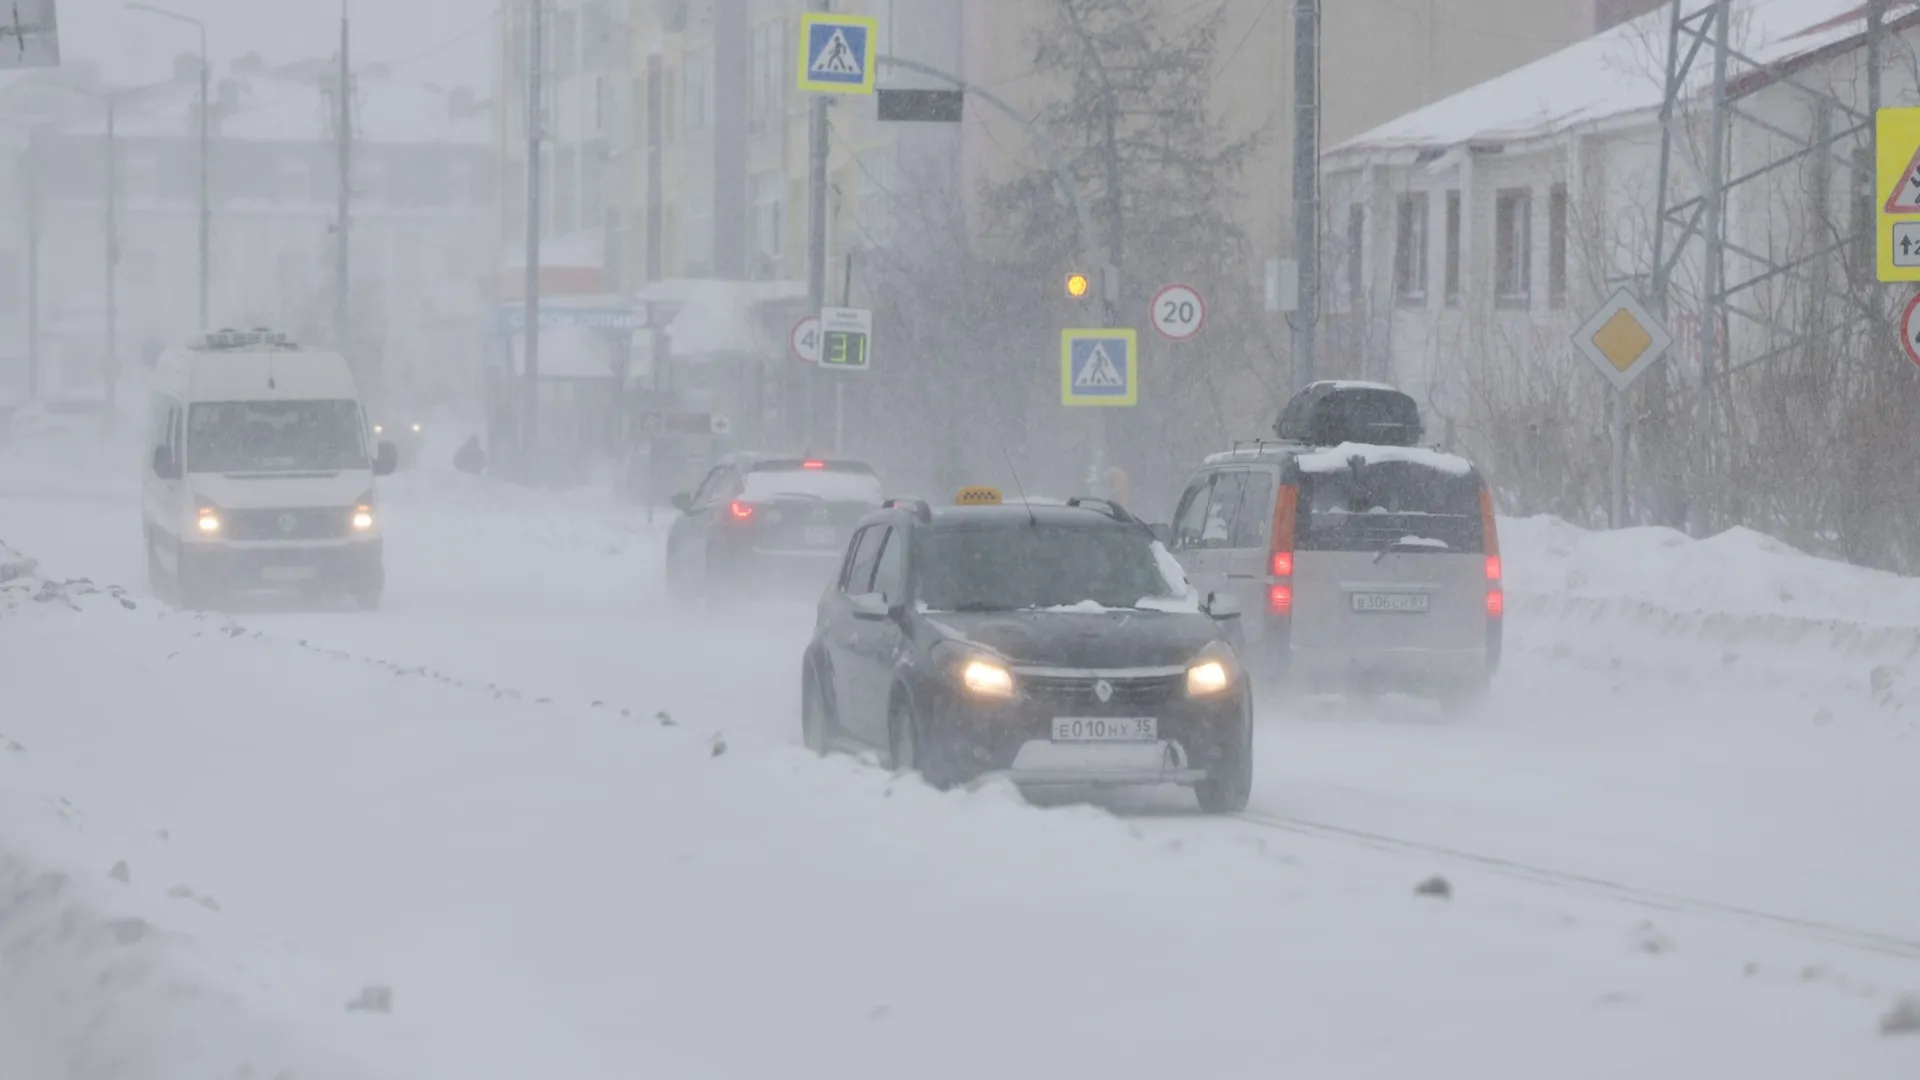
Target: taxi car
1060	646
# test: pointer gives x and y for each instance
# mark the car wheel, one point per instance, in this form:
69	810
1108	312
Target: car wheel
1229	782
815	727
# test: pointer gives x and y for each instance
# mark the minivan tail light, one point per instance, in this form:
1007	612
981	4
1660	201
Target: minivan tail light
1280	599
1496	604
1280	559
1283	564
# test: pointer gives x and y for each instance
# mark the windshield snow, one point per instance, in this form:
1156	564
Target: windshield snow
1041	566
275	436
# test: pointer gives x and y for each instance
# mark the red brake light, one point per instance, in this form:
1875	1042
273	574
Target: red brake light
813	464
1493	568
1283	564
1280	599
740	511
1496	603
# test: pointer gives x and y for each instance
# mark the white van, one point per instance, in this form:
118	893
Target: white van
259	472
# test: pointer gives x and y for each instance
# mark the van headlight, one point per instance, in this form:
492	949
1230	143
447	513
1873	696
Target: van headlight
1212	673
207	521
362	519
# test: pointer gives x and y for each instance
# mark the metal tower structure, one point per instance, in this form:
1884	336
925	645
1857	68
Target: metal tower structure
1704	121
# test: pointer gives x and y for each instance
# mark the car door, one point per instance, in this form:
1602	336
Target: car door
845	637
877	644
687	534
1189	526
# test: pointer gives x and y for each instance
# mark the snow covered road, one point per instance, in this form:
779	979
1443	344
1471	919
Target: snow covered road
385	799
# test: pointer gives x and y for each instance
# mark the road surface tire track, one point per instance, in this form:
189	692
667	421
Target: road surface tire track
1833	933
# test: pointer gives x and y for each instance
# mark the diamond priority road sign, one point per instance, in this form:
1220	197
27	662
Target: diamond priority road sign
1623	340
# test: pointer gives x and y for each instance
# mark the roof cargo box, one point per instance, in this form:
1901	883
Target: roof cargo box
1331	412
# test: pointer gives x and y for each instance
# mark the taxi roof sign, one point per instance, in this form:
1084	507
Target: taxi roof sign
978	495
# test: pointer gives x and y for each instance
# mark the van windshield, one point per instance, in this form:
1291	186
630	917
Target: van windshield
1387	501
275	436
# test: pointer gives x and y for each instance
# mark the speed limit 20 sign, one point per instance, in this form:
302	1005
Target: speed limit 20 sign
1178	312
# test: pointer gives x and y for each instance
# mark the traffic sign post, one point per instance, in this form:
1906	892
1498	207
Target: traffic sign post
804	339
1099	367
1178	312
1897	193
1624	341
836	53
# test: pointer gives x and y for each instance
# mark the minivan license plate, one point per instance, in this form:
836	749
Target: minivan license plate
1392	603
1105	729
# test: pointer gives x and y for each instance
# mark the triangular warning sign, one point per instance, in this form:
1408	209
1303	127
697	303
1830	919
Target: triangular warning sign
1905	197
835	57
1099	372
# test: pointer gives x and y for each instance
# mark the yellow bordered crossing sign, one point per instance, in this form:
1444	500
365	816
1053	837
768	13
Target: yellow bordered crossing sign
837	53
977	495
1099	367
1896	228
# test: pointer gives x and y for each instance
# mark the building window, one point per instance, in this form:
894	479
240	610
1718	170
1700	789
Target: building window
1557	246
1453	249
766	64
1410	250
693	93
565	44
1356	265
769	197
1513	247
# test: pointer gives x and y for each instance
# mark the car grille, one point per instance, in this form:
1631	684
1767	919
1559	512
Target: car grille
299	523
1076	692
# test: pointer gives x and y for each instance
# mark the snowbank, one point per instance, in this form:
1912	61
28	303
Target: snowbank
554	886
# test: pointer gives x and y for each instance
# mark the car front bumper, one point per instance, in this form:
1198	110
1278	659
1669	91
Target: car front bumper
1195	737
356	565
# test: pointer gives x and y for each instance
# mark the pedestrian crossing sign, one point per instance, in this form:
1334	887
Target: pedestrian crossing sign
1099	367
836	53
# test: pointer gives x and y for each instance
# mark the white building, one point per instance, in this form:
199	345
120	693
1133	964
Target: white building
1468	239
422	198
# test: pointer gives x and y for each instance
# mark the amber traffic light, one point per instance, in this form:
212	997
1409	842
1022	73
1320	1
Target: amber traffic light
1077	285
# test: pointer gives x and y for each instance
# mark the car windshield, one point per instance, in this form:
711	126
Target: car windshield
1039	566
275	436
839	484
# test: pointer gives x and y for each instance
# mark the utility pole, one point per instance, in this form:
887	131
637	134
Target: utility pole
1306	185
530	416
33	265
206	198
343	215
817	137
112	362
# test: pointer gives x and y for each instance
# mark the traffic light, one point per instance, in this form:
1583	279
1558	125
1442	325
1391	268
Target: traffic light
1077	286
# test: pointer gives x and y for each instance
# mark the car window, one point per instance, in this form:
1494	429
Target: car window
890	574
866	554
1223	508
703	494
821	484
1254	522
1042	566
1372	507
1191	518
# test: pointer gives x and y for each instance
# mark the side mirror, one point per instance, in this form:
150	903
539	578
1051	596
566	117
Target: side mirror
385	459
682	501
1222	605
164	466
871	607
1162	533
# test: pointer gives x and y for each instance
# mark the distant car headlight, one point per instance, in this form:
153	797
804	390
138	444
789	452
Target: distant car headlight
986	679
1212	672
379	429
416	429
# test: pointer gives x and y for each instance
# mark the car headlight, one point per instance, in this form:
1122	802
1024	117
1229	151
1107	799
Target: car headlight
1211	673
986	678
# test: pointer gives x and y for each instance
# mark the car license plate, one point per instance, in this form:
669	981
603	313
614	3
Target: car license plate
1105	729
820	536
1393	603
288	573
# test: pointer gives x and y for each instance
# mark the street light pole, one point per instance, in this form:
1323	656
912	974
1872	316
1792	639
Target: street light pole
206	202
112	361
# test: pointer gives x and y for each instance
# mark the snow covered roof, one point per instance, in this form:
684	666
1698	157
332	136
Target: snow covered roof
279	109
1621	71
1334	460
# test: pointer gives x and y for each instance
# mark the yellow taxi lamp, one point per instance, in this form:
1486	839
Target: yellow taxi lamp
977	496
1077	285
